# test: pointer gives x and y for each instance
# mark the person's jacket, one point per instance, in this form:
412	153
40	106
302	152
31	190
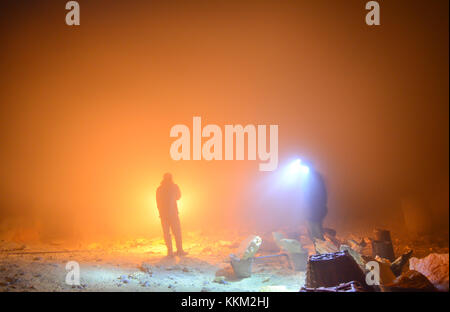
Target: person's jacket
316	198
167	195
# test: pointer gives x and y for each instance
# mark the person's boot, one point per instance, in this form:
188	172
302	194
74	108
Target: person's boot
181	253
170	253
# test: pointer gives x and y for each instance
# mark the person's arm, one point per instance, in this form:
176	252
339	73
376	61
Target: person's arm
158	198
178	194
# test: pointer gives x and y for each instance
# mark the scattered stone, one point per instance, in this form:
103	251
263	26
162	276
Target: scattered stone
134	275
81	286
291	245
207	250
386	274
355	255
435	267
241	268
398	265
12	280
410	281
325	246
146	267
357	246
220	280
249	247
146	284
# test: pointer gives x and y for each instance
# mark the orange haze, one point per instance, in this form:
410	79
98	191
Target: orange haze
86	111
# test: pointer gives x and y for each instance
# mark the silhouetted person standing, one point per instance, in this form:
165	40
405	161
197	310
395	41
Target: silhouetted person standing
167	195
316	203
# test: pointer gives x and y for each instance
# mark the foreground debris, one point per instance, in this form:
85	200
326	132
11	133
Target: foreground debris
332	269
435	267
410	281
352	286
141	265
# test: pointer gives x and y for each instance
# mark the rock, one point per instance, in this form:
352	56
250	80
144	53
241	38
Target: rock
291	245
124	279
241	268
398	265
220	280
249	247
435	267
298	261
325	246
147	268
81	286
354	245
268	244
410	281
356	255
386	274
134	275
332	238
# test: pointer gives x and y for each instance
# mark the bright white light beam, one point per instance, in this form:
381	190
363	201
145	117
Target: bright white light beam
295	170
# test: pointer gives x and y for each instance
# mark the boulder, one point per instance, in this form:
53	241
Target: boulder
398	265
291	245
435	268
325	246
410	281
249	247
356	255
386	274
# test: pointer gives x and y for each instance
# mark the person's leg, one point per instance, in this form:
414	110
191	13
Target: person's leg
315	230
176	230
167	238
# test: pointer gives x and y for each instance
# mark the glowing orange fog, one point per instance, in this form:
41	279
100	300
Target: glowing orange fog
86	115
